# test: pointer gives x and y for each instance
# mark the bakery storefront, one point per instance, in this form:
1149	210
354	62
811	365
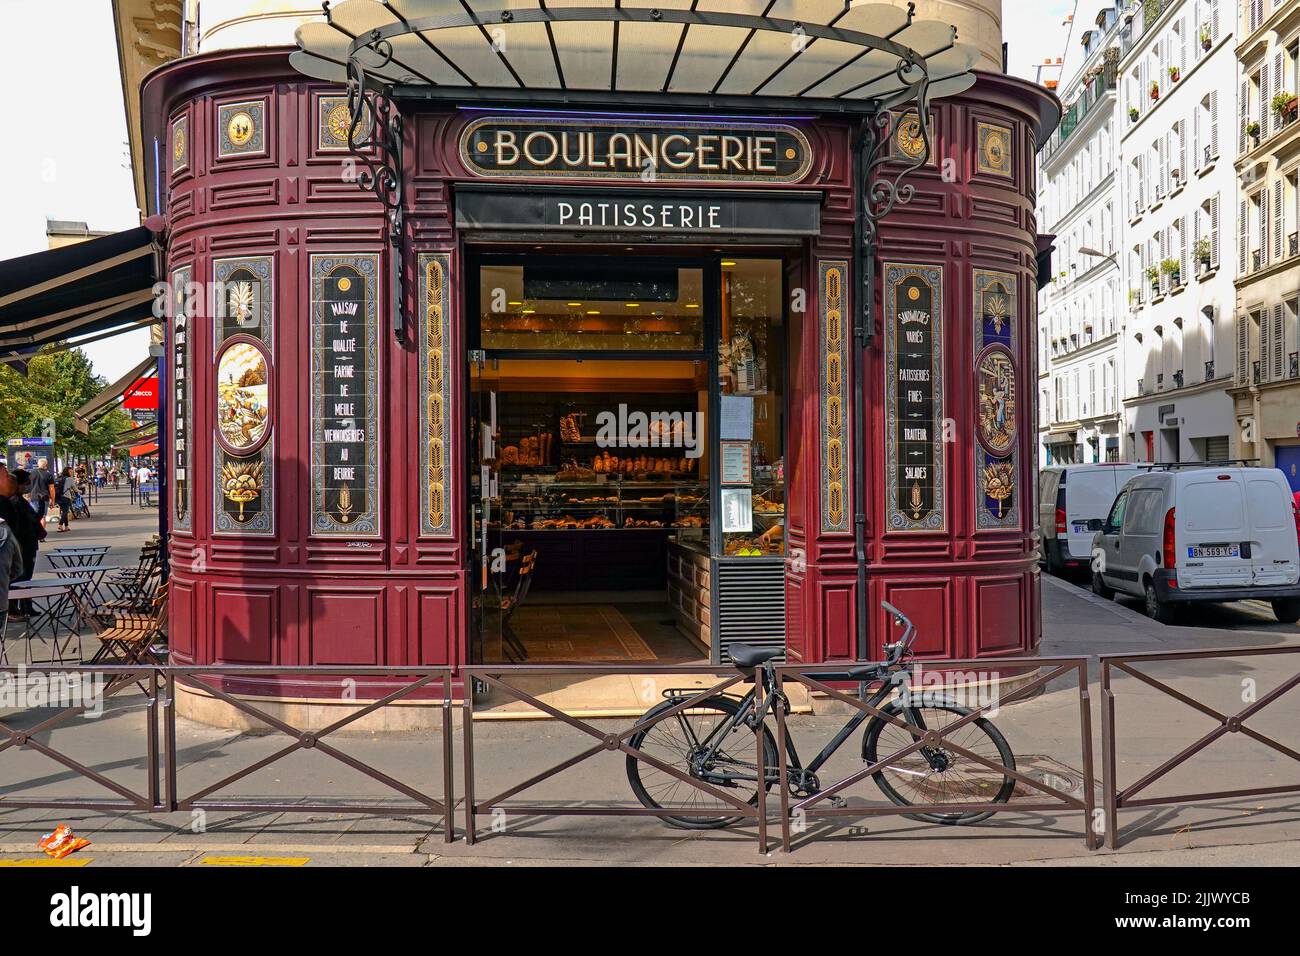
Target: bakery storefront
548	345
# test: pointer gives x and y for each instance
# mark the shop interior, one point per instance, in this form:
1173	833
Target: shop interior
630	424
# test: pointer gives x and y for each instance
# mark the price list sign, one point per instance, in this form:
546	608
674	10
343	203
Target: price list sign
914	397
345	399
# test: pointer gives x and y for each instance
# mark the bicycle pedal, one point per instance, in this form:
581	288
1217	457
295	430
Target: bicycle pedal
839	803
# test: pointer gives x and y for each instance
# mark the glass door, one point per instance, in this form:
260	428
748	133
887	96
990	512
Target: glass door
489	562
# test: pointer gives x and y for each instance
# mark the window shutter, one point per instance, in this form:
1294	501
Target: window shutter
1197	158
1182	260
1214	232
1182	150
1279	341
1263	225
1277	220
1261	347
1243	111
1214	20
1214	123
1243	348
1264	111
1242	238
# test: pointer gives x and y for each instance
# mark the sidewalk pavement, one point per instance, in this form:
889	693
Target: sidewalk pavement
1043	732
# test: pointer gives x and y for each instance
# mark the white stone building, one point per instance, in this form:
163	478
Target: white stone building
1082	311
1178	138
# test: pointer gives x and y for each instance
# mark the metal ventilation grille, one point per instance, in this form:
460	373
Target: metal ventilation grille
751	604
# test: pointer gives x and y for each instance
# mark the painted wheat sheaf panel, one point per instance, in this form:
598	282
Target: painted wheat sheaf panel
435	395
997	331
833	356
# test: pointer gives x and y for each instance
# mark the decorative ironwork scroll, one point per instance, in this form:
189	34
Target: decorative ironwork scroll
833	359
182	413
436	428
374	136
914	450
243	449
345	396
997	320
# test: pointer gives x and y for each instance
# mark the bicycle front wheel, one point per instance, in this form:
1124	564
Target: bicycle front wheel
940	775
700	744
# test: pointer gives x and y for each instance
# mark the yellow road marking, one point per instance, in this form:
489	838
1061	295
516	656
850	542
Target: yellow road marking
48	861
255	860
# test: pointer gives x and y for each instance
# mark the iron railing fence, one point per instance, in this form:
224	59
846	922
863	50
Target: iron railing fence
1117	797
948	739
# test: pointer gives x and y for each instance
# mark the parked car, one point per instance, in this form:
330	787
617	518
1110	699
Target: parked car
1179	536
1069	496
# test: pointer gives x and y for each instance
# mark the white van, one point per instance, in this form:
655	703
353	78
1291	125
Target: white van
1069	496
1184	535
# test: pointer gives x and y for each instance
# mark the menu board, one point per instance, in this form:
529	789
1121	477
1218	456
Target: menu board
180	381
914	397
345	396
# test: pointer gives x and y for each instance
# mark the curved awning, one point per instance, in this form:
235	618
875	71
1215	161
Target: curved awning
805	54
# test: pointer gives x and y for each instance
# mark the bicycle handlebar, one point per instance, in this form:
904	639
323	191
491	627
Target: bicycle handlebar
896	651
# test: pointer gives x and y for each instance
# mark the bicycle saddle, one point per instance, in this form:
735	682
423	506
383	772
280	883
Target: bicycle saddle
746	657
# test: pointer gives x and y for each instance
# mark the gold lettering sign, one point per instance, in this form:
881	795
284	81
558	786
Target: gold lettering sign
648	151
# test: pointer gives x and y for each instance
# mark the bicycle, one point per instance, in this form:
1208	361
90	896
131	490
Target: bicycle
713	742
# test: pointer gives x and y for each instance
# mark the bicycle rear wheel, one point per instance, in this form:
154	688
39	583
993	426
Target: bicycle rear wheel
678	741
940	775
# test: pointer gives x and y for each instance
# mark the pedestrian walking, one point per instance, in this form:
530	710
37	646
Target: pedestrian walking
67	489
42	493
142	478
11	565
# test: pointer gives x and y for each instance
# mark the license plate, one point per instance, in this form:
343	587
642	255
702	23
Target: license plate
1215	551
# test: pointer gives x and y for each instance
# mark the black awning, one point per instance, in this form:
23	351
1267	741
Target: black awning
93	288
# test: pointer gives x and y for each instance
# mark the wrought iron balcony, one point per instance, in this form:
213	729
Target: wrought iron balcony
1293	244
1209	370
1293	365
1178	379
1160	381
1254	372
1256	260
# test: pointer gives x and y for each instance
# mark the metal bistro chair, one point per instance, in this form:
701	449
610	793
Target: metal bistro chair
133	587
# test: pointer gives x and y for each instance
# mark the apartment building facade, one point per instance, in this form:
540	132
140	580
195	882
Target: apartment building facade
1081	311
1266	371
1176	80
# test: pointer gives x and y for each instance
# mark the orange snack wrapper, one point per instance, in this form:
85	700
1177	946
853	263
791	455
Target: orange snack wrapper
61	842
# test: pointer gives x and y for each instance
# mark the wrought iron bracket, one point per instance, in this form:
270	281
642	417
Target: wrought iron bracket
375	138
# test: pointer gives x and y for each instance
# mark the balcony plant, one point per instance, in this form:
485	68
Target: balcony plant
1174	74
1284	105
1252	130
1155	90
1173	269
1133	114
1201	249
1207	38
1153	276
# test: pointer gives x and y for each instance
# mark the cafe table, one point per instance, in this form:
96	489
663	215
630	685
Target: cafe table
50	603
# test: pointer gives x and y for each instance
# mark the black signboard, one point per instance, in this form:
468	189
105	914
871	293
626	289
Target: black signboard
647	150
626	210
345	400
914	397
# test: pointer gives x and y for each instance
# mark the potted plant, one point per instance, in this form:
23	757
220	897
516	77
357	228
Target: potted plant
1134	296
1133	114
1207	38
1284	105
1252	130
1201	249
1153	276
1155	90
1173	269
1174	74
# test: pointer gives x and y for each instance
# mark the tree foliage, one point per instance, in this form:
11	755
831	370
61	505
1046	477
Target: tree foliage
55	386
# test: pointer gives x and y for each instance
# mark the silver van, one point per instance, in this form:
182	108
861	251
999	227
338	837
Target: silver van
1183	535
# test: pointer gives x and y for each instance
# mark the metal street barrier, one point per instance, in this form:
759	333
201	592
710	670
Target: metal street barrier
1053	668
500	678
1117	797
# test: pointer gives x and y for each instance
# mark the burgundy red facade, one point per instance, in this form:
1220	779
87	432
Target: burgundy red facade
274	196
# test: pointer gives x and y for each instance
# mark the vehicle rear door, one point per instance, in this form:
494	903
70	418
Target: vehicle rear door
1212	537
1089	494
1273	555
